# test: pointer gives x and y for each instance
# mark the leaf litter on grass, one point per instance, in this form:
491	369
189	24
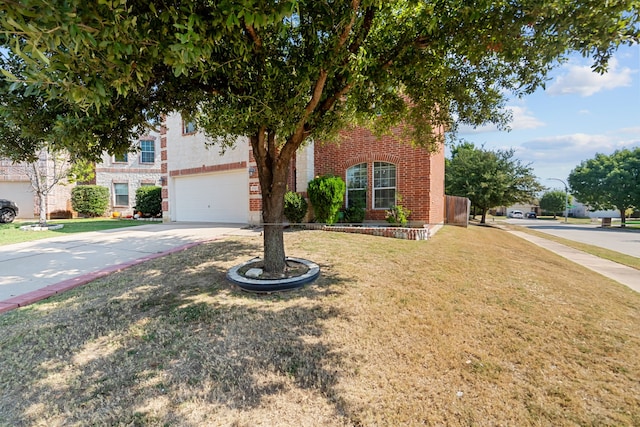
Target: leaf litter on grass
453	331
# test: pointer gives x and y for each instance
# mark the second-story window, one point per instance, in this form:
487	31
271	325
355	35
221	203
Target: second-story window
121	158
147	151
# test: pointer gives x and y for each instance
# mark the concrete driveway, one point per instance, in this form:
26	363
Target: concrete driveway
615	239
62	262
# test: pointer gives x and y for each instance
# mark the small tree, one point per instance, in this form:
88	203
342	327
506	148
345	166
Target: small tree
554	201
149	200
326	194
90	200
295	207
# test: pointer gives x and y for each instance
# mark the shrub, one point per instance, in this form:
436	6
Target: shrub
326	194
149	200
295	207
90	200
355	212
398	214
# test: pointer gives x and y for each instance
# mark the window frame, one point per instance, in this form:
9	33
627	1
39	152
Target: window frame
143	152
125	158
117	185
378	186
349	182
188	127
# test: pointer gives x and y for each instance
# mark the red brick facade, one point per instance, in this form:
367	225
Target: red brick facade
419	174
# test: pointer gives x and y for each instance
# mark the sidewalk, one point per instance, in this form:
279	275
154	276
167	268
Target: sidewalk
32	271
620	273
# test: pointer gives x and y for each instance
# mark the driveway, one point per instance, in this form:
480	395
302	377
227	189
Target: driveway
615	239
31	266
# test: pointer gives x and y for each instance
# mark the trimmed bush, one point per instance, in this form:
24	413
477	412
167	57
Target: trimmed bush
326	194
355	213
149	200
90	200
295	207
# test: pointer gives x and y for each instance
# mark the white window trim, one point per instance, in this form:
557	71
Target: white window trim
374	188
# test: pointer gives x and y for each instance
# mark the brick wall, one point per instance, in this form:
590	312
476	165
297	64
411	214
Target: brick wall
419	174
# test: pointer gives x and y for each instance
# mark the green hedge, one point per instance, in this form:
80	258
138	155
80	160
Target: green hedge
149	200
90	200
295	207
326	194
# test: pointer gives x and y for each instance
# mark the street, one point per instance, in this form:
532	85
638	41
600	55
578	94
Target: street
615	239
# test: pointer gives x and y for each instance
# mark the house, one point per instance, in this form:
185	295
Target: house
203	184
15	185
122	175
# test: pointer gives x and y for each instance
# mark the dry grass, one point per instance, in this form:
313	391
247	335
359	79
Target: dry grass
460	330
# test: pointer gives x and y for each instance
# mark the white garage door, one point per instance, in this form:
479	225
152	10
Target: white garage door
22	194
222	197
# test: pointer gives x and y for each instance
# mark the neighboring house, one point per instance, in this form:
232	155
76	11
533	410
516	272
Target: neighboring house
16	186
123	175
204	185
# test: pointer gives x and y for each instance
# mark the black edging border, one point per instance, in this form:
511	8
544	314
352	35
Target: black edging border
274	285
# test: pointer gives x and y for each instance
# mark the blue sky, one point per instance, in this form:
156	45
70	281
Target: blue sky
580	113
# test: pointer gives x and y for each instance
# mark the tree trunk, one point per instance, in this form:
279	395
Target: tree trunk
273	171
483	220
623	219
42	201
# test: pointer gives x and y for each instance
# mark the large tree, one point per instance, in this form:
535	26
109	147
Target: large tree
489	178
609	181
285	71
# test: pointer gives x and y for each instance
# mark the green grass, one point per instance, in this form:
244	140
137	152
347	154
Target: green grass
11	233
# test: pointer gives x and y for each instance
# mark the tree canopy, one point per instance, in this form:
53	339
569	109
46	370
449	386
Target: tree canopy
554	201
489	178
284	71
609	181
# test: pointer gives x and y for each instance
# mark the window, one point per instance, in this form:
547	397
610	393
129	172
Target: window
357	185
121	158
121	192
147	151
384	185
188	127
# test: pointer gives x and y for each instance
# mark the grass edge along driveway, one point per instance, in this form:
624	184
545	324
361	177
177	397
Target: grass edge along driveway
474	327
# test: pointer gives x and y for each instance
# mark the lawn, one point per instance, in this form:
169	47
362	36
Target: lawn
460	330
11	233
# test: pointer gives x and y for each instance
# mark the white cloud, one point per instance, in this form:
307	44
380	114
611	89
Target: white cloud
522	118
582	81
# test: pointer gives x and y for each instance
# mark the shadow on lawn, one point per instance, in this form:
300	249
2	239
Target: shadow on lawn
158	341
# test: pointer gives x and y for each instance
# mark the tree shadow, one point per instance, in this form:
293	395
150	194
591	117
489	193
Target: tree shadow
140	346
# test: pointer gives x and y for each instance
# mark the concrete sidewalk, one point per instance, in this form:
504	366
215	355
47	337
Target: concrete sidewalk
620	273
32	271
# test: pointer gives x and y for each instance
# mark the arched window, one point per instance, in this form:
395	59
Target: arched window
357	185
384	185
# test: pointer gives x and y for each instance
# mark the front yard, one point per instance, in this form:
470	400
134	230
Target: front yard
463	329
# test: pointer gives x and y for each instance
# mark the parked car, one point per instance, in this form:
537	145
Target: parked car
8	210
532	215
516	214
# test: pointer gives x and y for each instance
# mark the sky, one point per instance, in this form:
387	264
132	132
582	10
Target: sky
580	113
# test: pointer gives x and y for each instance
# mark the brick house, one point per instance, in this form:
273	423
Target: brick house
122	175
202	184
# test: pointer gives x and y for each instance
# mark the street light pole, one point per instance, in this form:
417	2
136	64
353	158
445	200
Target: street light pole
566	198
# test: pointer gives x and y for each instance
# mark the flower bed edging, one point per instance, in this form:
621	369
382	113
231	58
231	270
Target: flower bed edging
393	232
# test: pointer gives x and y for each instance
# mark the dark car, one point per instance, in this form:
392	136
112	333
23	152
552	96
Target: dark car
8	210
532	215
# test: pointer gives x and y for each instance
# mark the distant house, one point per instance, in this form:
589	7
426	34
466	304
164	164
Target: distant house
122	175
15	185
204	185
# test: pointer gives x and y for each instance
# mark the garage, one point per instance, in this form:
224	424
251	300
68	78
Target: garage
21	193
219	197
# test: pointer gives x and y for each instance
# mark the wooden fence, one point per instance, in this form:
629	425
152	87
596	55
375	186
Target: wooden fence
457	210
